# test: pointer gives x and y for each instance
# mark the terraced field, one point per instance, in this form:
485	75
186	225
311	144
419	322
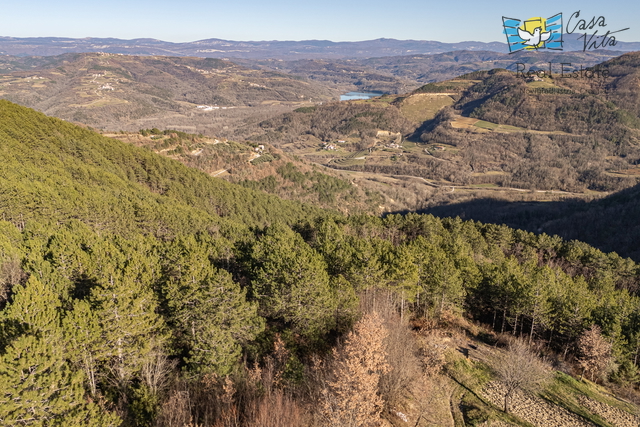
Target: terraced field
357	158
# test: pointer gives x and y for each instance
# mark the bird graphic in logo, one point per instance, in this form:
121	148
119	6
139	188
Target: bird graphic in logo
536	39
533	33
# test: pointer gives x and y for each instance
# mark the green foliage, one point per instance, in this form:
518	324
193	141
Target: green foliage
289	279
39	386
120	268
206	309
55	171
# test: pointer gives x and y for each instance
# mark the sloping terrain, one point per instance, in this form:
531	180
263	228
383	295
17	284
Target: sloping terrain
61	171
401	74
129	93
484	129
610	223
268	169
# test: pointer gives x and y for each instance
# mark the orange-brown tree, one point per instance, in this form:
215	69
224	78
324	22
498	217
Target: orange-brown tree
594	352
352	397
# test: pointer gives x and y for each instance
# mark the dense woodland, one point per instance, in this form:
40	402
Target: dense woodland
137	291
609	223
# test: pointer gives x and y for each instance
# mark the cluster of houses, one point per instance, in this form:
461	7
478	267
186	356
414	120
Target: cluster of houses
534	78
197	70
332	146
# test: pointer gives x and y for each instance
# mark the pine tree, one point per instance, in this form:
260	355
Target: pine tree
207	309
290	281
39	387
441	286
131	329
83	335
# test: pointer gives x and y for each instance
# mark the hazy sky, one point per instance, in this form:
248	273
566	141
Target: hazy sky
337	20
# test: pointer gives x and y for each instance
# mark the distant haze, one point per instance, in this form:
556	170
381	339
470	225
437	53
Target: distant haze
286	50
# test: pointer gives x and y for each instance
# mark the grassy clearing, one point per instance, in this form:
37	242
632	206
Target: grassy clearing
424	106
384	99
472	409
544	84
568	388
486	125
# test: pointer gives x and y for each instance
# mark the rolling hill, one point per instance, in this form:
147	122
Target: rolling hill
55	171
567	137
401	74
129	93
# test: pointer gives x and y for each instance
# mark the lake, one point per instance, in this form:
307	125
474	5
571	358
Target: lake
350	96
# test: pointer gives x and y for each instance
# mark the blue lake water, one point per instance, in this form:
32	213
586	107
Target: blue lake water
350	96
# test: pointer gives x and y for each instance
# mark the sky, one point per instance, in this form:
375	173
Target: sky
337	20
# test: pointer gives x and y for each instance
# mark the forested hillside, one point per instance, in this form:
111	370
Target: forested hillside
137	291
495	128
55	171
609	223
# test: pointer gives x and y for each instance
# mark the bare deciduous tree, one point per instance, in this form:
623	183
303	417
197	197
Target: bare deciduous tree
594	352
519	369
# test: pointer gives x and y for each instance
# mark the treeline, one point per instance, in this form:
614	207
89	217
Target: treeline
117	331
612	220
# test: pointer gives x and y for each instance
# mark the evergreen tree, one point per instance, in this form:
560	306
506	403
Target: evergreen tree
208	310
39	387
290	281
131	329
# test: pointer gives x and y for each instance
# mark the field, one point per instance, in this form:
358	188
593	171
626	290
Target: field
481	126
424	106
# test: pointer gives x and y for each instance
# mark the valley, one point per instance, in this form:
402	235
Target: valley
447	140
203	242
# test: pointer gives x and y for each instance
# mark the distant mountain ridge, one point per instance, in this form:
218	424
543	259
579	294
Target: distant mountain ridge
217	48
